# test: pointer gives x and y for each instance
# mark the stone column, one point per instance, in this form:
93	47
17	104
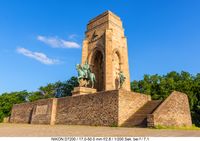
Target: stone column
108	60
84	51
125	64
53	112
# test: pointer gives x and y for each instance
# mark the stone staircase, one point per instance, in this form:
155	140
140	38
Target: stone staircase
140	117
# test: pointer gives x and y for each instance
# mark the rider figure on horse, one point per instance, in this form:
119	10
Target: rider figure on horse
86	69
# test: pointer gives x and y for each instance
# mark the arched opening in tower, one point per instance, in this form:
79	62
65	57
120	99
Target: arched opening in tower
98	70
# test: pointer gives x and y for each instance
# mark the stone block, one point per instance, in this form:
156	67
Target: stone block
83	90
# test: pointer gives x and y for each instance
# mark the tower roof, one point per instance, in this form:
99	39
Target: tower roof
104	14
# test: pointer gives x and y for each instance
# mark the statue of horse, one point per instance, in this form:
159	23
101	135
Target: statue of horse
85	76
81	73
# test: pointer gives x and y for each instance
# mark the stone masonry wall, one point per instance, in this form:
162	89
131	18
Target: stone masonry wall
108	108
92	109
42	111
129	103
174	111
21	113
38	112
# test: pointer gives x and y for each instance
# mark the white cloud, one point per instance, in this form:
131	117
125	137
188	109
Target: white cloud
41	57
73	36
58	43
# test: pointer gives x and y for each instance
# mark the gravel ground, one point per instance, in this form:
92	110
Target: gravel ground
27	130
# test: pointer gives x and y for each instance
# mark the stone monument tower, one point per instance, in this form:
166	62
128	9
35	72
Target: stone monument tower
105	49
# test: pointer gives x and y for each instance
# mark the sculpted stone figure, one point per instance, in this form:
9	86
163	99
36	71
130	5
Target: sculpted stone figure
121	78
85	76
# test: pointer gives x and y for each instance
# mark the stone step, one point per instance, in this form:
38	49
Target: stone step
149	107
140	117
137	121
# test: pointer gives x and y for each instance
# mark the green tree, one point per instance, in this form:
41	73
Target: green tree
159	87
68	86
35	96
48	91
57	89
8	99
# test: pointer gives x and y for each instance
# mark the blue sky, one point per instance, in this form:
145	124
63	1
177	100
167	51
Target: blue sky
40	40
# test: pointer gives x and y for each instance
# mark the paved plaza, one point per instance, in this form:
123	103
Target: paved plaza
27	130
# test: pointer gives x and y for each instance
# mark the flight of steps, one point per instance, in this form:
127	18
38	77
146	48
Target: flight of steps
140	117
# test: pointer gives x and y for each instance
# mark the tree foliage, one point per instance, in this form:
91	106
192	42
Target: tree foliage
57	89
159	87
8	99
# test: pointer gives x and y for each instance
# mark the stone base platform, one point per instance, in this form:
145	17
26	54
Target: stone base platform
83	90
107	108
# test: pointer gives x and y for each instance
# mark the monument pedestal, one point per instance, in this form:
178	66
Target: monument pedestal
83	90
